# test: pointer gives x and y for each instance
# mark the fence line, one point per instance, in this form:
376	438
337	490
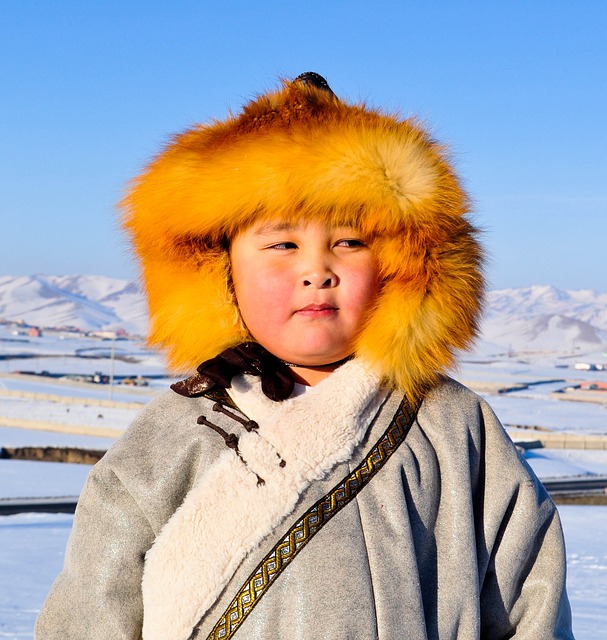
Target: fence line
53	397
57	427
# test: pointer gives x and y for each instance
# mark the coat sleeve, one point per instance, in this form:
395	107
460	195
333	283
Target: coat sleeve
98	594
523	592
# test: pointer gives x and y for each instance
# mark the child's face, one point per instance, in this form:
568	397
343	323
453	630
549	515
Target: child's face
304	289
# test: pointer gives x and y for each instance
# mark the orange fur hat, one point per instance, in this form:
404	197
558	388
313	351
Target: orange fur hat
299	152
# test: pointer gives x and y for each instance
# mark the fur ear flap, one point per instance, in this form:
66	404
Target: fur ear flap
192	312
429	307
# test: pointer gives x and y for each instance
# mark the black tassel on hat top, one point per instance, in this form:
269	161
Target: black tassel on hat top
315	80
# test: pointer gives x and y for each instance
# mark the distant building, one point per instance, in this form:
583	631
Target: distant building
588	366
594	386
104	335
34	332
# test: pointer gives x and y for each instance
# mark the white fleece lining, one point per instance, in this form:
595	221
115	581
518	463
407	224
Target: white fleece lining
228	512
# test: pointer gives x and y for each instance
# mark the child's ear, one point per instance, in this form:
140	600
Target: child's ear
224	243
231	291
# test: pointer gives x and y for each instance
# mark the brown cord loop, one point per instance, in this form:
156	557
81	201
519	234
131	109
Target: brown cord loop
231	439
249	425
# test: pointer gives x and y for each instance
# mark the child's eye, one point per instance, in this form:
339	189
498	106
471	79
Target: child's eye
282	246
350	242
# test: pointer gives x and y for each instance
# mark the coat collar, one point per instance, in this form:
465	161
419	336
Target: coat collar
229	511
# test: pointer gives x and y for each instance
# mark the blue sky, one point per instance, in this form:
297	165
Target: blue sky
91	90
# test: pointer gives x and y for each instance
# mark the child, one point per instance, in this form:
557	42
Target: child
321	477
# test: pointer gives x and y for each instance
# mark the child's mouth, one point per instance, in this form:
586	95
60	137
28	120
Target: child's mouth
317	310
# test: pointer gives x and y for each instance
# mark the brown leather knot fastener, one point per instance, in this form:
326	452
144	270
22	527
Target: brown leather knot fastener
231	439
249	425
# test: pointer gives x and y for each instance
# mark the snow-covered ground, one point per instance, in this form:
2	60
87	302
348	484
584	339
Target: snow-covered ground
32	545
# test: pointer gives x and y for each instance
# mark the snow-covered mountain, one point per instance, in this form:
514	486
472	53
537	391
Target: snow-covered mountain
86	302
543	318
537	318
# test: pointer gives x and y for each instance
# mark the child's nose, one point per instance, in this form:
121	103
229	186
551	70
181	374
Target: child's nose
317	269
320	279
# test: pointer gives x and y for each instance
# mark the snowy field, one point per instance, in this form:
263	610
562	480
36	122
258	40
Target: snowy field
32	545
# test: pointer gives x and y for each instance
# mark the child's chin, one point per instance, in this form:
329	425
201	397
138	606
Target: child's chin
317	359
309	349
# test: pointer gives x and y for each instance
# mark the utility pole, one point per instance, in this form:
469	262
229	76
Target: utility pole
112	357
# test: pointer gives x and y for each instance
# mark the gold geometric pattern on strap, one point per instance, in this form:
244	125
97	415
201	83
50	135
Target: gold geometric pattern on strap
308	525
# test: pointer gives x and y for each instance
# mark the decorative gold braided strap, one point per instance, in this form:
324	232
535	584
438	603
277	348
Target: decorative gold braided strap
296	538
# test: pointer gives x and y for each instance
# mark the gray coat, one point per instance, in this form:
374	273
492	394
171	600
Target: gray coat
454	538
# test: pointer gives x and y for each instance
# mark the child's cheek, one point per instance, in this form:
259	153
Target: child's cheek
360	286
265	302
275	286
